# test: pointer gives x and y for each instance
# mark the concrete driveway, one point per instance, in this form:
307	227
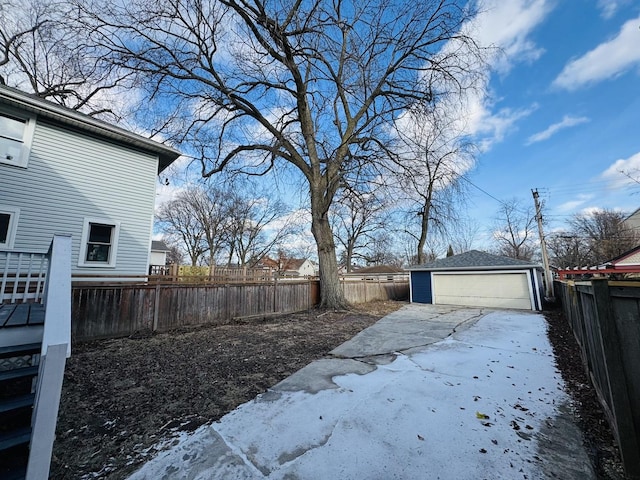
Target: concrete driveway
428	392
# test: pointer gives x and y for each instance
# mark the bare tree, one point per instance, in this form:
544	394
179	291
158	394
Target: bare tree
255	226
213	223
178	222
210	206
462	234
45	50
515	231
174	255
315	84
567	250
435	158
603	235
357	216
380	251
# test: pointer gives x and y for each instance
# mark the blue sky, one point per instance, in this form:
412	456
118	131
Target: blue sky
563	114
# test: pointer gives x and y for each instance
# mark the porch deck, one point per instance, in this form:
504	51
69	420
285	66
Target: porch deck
21	314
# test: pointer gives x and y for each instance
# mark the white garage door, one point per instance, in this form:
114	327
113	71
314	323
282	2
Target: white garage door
499	290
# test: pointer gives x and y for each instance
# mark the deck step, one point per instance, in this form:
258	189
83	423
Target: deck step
19	473
15	403
18	373
19	350
14	438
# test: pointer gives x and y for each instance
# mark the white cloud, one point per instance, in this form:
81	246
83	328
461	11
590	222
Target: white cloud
607	60
590	211
619	171
608	8
506	26
573	204
566	122
491	127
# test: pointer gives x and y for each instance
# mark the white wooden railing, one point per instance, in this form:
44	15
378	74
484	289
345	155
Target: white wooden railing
22	276
56	348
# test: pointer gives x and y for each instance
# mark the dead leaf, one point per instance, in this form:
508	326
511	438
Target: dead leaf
482	416
420	437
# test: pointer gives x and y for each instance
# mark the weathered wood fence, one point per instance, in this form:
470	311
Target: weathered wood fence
605	319
368	288
102	310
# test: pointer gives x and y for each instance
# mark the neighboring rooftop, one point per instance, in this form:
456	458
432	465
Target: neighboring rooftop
474	259
159	246
80	121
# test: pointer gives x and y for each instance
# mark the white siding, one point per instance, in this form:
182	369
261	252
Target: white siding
158	258
306	269
630	260
71	176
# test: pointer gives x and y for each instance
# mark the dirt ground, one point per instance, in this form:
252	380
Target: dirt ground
121	397
598	438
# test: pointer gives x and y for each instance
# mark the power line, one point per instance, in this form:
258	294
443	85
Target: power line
501	202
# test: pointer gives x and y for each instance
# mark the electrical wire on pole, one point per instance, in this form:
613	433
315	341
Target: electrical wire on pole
543	246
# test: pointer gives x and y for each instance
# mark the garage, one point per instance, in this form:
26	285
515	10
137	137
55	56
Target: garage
478	279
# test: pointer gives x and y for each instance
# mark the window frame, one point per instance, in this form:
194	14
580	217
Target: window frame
84	243
27	136
14	215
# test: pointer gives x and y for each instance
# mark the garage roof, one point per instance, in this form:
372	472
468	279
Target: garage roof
475	260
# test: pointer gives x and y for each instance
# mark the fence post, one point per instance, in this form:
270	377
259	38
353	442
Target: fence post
620	403
275	292
156	308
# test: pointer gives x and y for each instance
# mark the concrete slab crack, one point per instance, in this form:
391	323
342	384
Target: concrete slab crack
288	457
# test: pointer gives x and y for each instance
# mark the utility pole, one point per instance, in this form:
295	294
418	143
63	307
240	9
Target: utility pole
543	246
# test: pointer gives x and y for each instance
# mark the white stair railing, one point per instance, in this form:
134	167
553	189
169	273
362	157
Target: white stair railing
22	276
56	348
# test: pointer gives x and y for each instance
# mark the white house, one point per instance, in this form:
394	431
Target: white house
632	222
290	267
63	172
159	252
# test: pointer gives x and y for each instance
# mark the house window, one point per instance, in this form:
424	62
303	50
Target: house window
16	133
99	243
8	226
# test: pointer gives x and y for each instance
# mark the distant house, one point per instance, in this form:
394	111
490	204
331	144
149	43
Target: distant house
633	221
158	258
478	279
290	267
159	252
627	263
65	172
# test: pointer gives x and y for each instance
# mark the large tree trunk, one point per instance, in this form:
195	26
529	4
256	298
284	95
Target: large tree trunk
349	256
331	294
424	231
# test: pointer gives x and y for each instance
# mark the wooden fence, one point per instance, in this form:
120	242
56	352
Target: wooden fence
101	310
368	288
605	319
